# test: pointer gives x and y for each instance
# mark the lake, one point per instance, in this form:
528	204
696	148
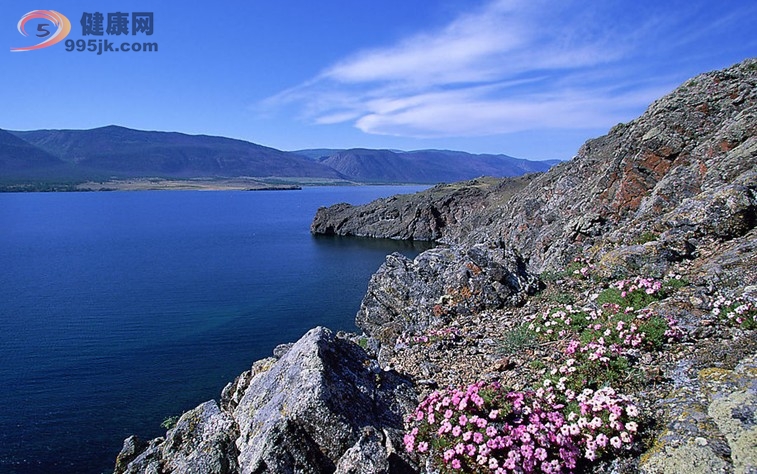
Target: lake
120	309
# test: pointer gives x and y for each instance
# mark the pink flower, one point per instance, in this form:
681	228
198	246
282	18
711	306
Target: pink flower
422	447
615	442
409	441
456	464
540	454
471	450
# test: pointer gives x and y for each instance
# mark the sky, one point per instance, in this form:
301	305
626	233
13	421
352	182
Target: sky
532	79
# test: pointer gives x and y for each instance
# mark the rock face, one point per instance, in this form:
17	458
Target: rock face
324	406
405	295
725	406
443	211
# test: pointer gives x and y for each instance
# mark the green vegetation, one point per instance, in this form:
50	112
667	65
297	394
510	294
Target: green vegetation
517	340
170	422
647	237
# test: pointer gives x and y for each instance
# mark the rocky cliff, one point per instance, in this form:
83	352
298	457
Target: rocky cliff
442	211
633	266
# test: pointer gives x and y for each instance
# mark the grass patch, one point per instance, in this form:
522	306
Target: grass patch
517	340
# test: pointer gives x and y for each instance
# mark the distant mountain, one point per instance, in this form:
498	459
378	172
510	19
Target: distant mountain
122	152
114	152
20	160
427	166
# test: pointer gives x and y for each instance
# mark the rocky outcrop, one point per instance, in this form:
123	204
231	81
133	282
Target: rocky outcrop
412	295
674	191
446	210
324	406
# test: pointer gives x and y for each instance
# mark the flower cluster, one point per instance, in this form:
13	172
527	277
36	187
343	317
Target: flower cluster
487	429
649	286
635	293
579	268
600	343
558	323
738	311
561	424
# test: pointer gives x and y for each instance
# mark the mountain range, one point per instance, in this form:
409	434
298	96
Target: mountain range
114	152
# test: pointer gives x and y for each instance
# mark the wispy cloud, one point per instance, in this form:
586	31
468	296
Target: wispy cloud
511	65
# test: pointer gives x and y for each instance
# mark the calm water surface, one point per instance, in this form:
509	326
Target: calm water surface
120	309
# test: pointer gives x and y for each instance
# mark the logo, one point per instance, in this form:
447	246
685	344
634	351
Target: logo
61	23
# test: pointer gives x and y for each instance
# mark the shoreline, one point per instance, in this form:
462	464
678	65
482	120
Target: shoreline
190	184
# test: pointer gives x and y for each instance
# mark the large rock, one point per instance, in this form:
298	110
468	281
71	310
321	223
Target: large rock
411	295
316	404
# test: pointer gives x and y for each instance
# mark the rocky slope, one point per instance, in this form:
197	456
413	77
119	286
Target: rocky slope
670	197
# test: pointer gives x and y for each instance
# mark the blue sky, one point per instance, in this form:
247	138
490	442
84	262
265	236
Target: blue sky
532	79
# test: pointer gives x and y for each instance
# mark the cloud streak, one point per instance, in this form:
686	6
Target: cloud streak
509	66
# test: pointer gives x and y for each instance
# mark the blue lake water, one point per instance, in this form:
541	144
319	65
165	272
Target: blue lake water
120	309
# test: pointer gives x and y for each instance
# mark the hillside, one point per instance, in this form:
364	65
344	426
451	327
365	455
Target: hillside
600	319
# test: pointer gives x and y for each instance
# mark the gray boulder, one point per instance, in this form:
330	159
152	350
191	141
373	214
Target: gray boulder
412	295
315	405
